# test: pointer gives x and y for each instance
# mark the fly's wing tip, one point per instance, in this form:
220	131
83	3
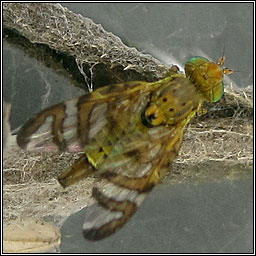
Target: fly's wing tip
101	222
94	234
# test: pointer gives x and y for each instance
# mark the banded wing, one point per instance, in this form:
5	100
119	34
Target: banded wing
128	156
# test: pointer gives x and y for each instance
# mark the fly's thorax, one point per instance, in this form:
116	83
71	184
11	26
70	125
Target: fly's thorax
206	76
173	103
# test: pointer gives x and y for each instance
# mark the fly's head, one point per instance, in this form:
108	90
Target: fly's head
207	76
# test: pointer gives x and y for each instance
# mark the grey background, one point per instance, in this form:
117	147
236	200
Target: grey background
182	218
185	218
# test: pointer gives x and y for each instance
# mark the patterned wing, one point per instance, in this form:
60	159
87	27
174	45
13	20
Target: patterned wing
63	127
129	173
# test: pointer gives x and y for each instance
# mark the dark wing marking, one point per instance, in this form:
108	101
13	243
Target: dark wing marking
53	129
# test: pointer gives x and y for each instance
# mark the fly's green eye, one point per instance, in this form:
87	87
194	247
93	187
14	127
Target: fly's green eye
218	92
198	60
